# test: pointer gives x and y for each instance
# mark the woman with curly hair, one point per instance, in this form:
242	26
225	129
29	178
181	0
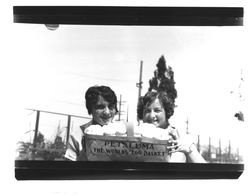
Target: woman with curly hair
156	108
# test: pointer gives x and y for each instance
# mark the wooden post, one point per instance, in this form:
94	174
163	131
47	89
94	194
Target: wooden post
220	158
120	104
127	112
198	144
229	150
209	149
139	84
36	128
68	130
238	155
187	130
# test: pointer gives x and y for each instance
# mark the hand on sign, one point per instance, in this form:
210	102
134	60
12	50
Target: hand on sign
180	142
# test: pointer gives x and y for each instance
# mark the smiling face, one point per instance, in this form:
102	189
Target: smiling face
103	112
154	113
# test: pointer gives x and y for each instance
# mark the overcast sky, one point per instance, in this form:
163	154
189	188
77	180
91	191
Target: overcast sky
58	67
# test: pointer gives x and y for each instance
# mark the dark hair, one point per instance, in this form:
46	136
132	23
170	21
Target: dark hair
94	93
150	97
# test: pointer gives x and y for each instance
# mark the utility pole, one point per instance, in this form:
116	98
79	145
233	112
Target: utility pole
220	158
229	150
120	108
209	149
36	128
139	84
127	112
187	122
238	154
68	130
36	133
120	104
198	144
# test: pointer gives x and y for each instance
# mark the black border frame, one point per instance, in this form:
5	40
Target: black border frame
139	16
99	170
127	15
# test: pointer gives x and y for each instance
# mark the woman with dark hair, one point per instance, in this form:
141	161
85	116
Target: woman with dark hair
156	108
161	99
101	103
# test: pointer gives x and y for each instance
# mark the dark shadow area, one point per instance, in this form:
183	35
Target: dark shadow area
67	170
118	15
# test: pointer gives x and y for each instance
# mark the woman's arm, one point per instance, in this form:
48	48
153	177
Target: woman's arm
193	155
184	143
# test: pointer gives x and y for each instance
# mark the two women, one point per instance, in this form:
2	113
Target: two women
154	108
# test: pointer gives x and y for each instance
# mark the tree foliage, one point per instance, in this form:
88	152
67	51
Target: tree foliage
43	150
163	79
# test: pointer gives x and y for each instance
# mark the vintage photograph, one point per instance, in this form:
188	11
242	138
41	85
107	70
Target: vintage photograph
131	93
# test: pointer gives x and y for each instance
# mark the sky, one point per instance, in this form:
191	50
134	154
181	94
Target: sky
58	67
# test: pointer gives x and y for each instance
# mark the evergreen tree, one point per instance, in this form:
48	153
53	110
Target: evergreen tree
163	79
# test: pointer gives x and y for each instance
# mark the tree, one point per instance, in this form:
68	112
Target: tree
58	143
40	140
163	79
42	151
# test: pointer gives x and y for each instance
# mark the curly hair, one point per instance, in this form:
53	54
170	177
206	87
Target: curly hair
94	93
150	97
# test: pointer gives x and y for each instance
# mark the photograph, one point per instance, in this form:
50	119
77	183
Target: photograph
172	94
167	94
125	97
